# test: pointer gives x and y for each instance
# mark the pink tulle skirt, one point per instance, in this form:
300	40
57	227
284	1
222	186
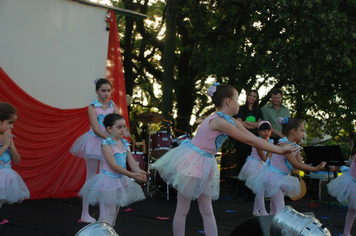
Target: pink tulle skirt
12	187
343	188
267	183
251	166
87	146
191	173
110	190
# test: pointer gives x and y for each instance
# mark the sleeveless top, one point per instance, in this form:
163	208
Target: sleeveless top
5	158
211	140
119	155
280	161
100	114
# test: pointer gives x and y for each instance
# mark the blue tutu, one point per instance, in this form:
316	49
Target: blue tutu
12	187
343	188
267	182
118	191
190	170
251	166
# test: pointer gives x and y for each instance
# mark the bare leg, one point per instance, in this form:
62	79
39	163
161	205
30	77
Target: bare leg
207	213
350	217
182	209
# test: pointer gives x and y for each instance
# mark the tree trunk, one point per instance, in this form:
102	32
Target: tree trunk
168	62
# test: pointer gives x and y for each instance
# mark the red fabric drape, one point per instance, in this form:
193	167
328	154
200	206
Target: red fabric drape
114	69
44	134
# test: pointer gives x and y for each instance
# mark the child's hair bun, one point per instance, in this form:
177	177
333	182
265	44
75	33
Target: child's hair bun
280	120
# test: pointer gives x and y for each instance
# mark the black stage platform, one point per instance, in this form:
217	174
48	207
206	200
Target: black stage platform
53	217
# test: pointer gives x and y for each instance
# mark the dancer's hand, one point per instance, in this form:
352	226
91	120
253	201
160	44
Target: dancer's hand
290	148
139	177
7	138
321	166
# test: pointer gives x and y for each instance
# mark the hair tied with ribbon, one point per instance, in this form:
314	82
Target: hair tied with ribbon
96	80
285	120
212	89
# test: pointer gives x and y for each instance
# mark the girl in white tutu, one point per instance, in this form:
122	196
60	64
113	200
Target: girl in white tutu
273	180
192	169
88	146
254	163
113	186
343	188
12	187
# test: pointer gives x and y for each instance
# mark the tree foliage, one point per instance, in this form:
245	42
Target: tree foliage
307	48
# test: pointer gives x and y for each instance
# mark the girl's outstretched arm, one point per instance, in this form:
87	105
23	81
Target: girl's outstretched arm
296	162
94	122
243	135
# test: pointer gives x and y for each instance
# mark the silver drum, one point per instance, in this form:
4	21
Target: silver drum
97	229
288	222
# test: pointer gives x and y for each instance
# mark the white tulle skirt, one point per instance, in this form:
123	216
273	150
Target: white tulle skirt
87	146
190	172
251	166
102	188
267	183
343	188
12	187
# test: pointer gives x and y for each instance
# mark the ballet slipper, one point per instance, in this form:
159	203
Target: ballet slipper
87	219
258	213
4	221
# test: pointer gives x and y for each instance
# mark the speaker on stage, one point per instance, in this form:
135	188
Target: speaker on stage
261	225
256	226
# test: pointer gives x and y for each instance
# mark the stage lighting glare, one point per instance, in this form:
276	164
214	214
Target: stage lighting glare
292	223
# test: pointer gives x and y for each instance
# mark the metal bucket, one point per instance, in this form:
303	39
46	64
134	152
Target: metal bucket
288	222
97	229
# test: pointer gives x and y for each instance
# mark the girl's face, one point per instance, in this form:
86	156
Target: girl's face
104	92
299	133
7	124
252	97
234	105
117	131
265	133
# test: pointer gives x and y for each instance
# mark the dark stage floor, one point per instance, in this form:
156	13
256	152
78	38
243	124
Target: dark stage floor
50	217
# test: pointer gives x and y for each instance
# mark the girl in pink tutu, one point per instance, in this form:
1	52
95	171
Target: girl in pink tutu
192	169
12	187
254	163
88	146
273	180
113	186
344	189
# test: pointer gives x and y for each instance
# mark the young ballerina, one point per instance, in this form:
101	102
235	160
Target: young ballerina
12	187
112	187
344	189
88	146
192	169
273	180
254	163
